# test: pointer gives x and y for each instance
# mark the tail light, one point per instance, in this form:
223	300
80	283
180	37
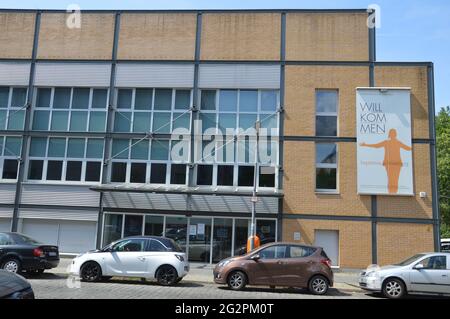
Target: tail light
326	262
38	252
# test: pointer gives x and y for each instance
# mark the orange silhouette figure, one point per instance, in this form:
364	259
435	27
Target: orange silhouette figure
392	160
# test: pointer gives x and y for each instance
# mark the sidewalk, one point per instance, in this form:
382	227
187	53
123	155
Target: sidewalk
344	279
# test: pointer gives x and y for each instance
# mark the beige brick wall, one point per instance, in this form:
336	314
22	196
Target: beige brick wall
94	40
416	78
240	36
397	242
407	206
327	37
300	178
355	241
158	36
16	34
300	105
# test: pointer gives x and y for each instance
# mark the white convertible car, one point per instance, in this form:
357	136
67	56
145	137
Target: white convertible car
146	257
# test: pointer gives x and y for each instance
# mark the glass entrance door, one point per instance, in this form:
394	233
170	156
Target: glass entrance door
222	238
176	229
200	239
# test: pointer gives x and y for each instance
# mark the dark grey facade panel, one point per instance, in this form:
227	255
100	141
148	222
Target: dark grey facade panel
360	218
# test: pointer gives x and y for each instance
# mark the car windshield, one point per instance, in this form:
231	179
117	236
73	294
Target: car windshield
410	260
25	239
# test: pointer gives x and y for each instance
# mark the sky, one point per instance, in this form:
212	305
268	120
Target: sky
413	30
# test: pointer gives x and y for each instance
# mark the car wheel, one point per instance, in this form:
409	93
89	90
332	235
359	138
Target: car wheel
166	275
12	265
91	271
318	285
237	280
394	288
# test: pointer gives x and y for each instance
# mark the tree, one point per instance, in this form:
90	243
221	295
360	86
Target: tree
443	167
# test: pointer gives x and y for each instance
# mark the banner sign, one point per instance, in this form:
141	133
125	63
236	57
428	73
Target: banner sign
384	145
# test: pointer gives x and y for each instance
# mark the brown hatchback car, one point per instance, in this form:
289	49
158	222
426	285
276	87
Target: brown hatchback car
278	264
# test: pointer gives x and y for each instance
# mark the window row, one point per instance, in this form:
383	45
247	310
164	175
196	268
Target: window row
64	170
62	147
239	101
12	104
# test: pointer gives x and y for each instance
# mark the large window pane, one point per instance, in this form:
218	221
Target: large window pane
97	121
247	121
93	171
266	230
228	100
4	96
40	120
54	170
160	150
266	176
139	149
56	147
208	100
163	99
120	148
326	125
43	97
10	169
118	172
16	120
269	100
200	239
161	122
124	98
326	101
78	121
3	117
94	148
19	97
246	175
326	153
176	229
154	225
225	175
208	120
76	147
204	175
138	172
326	178
248	100
112	229
158	174
99	98
35	170
181	120
122	121
59	121
73	171
182	99
61	99
222	233
241	234
80	98
143	99
133	225
269	121
13	146
178	174
38	146
141	122
227	121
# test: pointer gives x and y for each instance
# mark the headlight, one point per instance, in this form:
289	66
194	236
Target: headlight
224	263
372	274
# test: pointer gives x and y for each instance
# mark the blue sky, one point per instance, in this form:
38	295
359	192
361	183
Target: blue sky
413	30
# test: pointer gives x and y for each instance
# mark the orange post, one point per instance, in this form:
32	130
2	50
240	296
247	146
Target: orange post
257	243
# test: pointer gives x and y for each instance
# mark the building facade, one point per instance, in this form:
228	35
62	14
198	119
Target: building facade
90	107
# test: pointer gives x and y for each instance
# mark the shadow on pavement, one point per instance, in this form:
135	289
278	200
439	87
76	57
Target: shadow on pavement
410	297
44	276
331	291
128	281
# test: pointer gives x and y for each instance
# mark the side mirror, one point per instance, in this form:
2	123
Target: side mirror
255	257
419	267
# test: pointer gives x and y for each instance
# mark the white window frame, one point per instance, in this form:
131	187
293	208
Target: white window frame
328	114
326	165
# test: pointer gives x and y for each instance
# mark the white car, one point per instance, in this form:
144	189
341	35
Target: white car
427	273
146	257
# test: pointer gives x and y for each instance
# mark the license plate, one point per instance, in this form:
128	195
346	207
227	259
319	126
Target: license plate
52	254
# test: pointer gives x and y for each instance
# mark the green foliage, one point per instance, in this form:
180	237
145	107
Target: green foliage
443	165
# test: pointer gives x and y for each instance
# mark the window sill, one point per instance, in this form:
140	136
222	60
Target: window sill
318	192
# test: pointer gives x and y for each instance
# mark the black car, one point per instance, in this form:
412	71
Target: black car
13	286
19	252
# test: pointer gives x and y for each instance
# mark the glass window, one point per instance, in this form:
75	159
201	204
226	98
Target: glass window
300	251
326	178
266	176
118	172
181	120
182	99
154	225
228	100
59	120
97	122
35	169
200	239
54	170
227	121
208	100
176	229
269	121
204	174
208	120
3	118
326	101
158	174
120	148
43	97
247	121
246	175
75	147
122	121
222	234
10	169
143	99
274	252
13	146
225	175
99	98
93	171
139	149
138	172
56	147
326	153
248	101
241	234
40	120
178	174
94	148
163	99
266	230
133	226
78	121
112	228
130	245
326	126
124	98
161	122
61	99
38	146
156	245
6	240
326	166
80	98
160	150
19	97
141	122
16	120
4	96
435	263
269	100
73	171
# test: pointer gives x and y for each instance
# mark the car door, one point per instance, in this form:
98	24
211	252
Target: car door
127	258
155	256
432	276
269	268
297	266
